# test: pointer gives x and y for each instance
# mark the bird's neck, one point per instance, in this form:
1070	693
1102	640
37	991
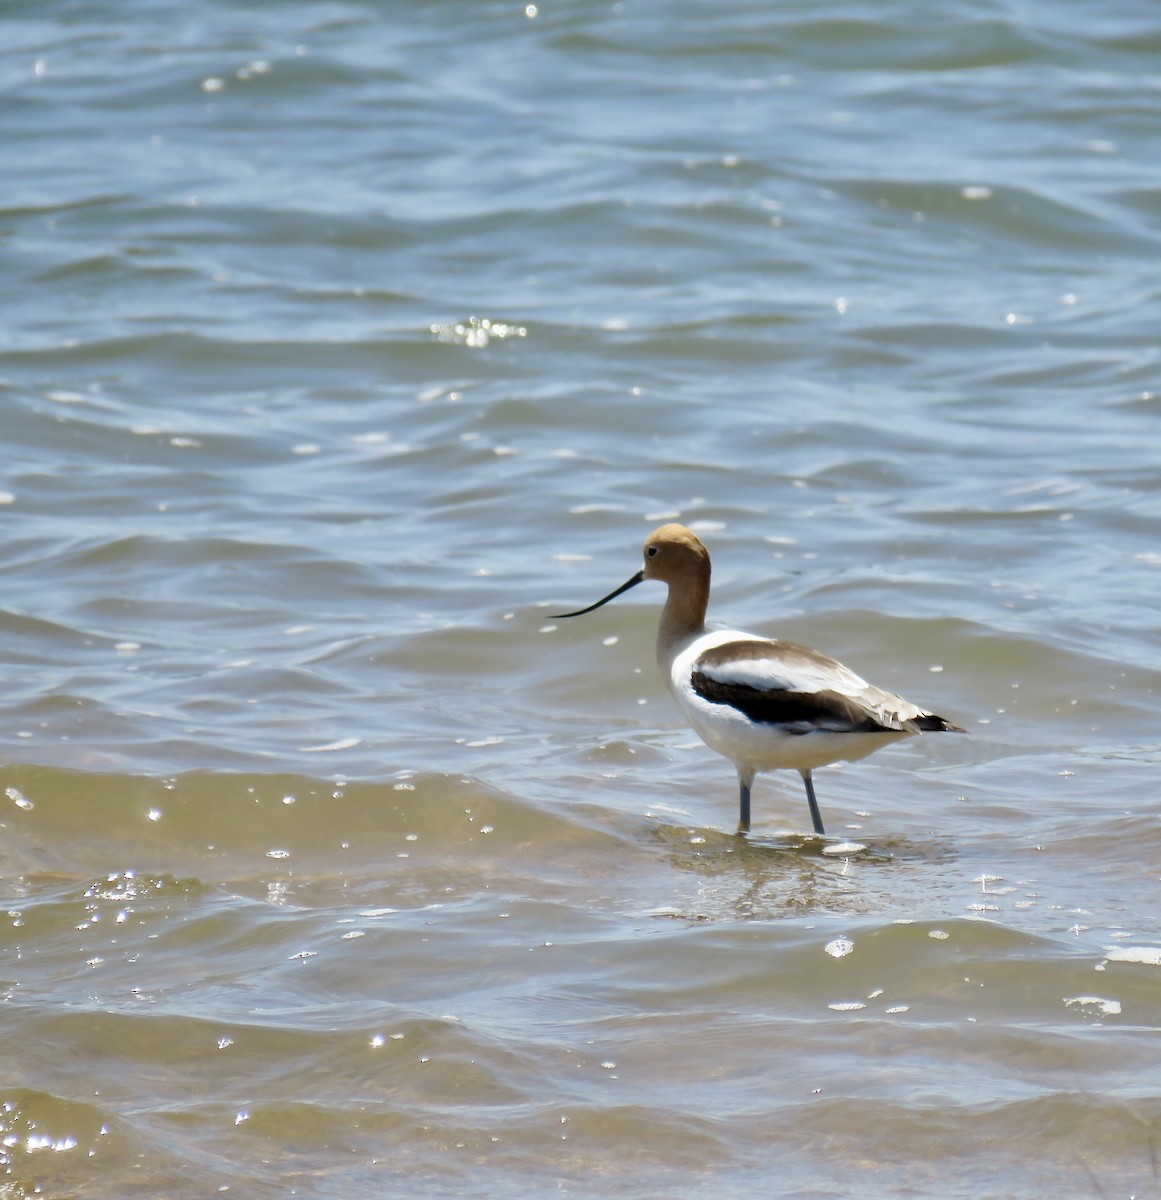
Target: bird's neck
682	619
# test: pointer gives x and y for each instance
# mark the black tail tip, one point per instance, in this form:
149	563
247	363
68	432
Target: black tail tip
930	723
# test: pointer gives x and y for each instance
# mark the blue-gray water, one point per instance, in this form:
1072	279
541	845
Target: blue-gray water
340	344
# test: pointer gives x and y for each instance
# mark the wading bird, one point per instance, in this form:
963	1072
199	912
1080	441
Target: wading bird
763	703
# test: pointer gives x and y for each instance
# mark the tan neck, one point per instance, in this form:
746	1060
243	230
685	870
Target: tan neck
683	616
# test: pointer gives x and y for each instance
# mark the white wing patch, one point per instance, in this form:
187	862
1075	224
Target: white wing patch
772	666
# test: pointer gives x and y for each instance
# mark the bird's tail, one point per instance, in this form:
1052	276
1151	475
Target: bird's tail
930	723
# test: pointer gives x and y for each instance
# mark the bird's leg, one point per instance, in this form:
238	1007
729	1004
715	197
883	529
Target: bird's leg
745	782
815	816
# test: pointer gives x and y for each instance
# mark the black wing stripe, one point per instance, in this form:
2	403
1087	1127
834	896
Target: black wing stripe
828	710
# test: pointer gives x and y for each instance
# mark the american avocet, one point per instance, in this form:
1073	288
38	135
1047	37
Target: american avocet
763	703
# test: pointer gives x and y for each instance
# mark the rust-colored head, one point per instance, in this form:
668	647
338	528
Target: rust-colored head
673	555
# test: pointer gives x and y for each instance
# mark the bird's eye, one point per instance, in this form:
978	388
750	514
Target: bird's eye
651	552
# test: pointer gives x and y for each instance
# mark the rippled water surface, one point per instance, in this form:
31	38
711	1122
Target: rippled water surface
341	344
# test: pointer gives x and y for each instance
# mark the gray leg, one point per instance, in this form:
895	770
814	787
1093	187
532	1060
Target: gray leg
815	816
745	782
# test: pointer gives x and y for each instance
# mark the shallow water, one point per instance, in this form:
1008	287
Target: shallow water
342	344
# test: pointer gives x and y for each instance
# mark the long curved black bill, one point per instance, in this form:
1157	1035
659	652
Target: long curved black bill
580	612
